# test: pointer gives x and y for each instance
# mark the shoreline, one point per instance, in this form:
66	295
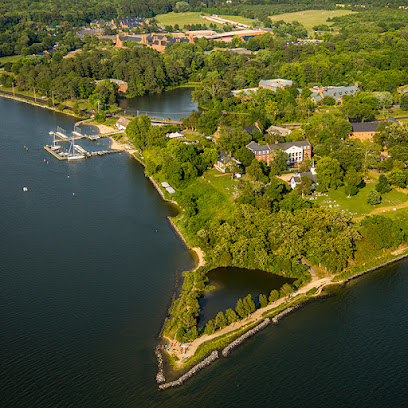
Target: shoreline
260	321
257	316
38	104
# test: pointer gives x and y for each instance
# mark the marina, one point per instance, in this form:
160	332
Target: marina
75	151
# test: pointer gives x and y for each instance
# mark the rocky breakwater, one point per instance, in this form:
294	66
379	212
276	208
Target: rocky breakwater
160	378
282	314
204	363
242	338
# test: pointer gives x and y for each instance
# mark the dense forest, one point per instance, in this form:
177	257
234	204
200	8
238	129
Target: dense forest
376	57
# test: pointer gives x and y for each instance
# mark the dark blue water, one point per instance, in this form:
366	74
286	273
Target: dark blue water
85	281
174	104
232	284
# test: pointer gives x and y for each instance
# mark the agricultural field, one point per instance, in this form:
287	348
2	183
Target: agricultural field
180	18
310	18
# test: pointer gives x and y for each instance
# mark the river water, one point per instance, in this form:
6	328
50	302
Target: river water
85	281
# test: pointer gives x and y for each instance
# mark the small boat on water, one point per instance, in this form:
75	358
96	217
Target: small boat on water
76	157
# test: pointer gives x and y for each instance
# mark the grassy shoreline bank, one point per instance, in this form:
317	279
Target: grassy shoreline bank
221	338
40	105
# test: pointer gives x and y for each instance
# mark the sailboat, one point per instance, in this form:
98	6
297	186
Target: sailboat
72	155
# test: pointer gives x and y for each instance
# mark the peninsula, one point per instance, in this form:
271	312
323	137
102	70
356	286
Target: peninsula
295	163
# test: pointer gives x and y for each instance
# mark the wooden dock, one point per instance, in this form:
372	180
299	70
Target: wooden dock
54	153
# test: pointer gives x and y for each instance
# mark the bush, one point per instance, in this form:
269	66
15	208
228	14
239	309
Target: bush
374	197
328	101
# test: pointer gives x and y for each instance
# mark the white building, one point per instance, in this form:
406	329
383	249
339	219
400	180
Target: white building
122	123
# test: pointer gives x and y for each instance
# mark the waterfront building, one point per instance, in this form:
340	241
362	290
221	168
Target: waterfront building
122	123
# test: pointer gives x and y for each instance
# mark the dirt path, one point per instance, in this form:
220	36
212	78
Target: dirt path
254	317
380	210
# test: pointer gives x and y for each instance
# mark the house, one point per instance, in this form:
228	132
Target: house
122	123
250	129
274	84
297	151
281	131
366	130
132	22
155	41
244	93
224	161
337	92
120	40
295	180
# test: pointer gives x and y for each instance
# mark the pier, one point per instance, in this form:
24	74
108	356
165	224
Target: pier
75	151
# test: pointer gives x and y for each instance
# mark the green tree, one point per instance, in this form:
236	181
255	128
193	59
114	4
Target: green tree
255	172
77	111
240	309
328	100
249	305
231	316
209	327
398	178
220	320
244	155
273	296
329	174
305	186
352	180
263	300
231	140
374	197
280	161
383	185
137	131
286	290
404	101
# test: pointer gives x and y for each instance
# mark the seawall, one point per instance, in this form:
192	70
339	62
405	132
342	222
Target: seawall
374	268
245	336
204	363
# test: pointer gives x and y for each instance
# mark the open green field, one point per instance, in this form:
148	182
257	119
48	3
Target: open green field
180	18
12	58
393	112
357	205
310	18
221	182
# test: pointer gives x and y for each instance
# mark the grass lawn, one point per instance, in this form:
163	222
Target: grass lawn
214	198
12	58
221	182
180	18
310	18
357	205
393	112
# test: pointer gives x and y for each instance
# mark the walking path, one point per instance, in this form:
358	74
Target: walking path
254	317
